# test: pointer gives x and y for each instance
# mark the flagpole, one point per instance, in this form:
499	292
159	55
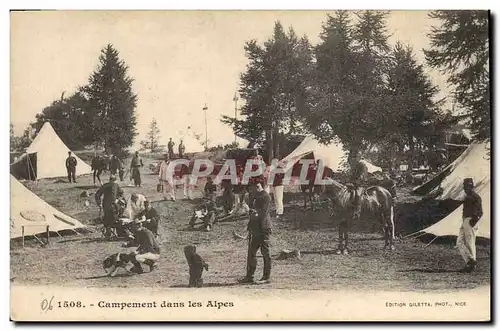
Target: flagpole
235	99
206	128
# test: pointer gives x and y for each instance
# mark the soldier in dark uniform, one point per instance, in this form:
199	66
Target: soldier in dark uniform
210	190
97	168
134	169
170	147
359	175
110	192
471	214
116	166
152	218
71	167
259	231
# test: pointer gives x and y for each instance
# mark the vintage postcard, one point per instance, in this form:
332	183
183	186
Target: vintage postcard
250	166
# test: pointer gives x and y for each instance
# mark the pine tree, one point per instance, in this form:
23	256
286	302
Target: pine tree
275	88
112	103
411	102
152	141
460	48
350	86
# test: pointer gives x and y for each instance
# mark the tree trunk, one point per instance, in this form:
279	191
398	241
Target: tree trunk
269	145
411	145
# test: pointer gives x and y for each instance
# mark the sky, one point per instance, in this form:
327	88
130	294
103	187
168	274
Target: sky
180	60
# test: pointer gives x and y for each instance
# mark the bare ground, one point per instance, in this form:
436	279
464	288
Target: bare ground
76	260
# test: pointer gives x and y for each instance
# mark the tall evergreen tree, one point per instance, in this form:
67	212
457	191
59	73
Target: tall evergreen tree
152	141
112	102
350	90
460	48
411	101
274	88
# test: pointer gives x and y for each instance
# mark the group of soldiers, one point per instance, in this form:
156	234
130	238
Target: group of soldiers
181	149
141	232
116	166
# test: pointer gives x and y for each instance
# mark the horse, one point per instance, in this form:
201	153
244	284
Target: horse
376	200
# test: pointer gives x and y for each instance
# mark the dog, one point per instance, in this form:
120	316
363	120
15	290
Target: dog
121	260
196	266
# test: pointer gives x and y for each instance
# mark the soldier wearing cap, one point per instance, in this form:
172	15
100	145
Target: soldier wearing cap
472	213
110	193
259	230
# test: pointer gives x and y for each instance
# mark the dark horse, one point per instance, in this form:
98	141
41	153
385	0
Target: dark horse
376	201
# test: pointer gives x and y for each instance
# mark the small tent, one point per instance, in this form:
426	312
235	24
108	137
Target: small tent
190	141
31	212
333	155
46	158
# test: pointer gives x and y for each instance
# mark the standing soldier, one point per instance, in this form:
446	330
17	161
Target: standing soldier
71	167
115	165
278	194
97	168
259	231
166	178
134	169
472	213
110	192
171	149
182	148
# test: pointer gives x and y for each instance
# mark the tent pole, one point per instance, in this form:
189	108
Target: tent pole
431	241
41	242
22	231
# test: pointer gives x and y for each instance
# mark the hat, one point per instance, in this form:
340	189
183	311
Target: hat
469	181
112	177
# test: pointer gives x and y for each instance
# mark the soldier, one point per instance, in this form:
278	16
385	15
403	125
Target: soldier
110	192
151	216
134	169
259	231
170	146
116	166
97	168
182	149
472	213
71	167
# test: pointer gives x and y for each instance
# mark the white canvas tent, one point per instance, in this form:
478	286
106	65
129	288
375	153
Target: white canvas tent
333	156
474	162
192	144
448	185
50	156
450	225
30	211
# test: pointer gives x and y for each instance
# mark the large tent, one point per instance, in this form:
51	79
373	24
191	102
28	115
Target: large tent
30	211
450	225
333	155
448	185
474	163
46	158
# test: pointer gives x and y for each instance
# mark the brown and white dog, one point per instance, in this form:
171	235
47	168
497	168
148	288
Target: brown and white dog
121	260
